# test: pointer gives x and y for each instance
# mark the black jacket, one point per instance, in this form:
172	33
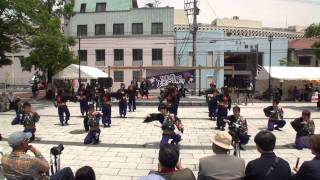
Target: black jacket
309	170
258	168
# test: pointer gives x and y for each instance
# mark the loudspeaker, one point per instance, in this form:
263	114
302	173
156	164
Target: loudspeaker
105	82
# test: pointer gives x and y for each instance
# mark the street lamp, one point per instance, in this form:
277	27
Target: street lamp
79	80
270	38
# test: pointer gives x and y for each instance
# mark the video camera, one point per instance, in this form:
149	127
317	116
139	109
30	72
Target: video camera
57	150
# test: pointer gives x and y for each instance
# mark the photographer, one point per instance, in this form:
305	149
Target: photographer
18	164
238	127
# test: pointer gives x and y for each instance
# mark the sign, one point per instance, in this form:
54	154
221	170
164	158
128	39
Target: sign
185	78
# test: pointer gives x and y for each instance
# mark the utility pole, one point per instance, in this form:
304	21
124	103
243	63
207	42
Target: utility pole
191	7
270	38
79	49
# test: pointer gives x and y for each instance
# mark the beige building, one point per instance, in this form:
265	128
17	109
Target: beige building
180	17
236	22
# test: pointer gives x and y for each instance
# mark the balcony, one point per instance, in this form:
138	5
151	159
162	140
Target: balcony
119	63
156	62
137	63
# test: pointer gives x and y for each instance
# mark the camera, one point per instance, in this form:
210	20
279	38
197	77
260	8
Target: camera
57	150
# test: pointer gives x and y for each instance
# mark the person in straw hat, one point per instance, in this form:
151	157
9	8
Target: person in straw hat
221	165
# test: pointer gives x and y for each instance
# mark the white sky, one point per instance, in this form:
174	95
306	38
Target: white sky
272	13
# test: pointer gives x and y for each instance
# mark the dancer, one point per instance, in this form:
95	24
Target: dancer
29	120
240	132
211	94
304	126
275	114
63	110
97	97
122	96
144	88
169	123
132	93
171	96
224	103
91	125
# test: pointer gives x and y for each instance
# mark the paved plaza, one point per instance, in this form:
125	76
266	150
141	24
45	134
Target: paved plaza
129	148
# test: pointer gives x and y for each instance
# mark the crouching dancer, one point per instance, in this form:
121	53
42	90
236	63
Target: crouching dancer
169	122
91	125
29	120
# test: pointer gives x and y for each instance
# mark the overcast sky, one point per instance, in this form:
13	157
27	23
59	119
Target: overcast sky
272	13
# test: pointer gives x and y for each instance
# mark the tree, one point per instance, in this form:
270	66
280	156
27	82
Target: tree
313	31
286	62
16	19
50	48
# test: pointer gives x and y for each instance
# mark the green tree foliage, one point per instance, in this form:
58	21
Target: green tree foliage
16	25
285	62
50	48
313	31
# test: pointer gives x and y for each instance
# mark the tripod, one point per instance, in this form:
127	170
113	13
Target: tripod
54	166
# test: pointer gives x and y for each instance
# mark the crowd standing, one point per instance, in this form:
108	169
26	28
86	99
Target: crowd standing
95	107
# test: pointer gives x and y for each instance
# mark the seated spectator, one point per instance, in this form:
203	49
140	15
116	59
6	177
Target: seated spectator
4	102
304	126
85	173
19	165
309	170
221	166
169	166
268	166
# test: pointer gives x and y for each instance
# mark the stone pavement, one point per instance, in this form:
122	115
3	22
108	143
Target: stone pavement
121	154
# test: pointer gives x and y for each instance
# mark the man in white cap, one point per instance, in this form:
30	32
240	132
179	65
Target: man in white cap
221	166
18	164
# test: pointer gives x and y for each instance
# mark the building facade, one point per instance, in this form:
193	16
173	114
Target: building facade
301	51
121	38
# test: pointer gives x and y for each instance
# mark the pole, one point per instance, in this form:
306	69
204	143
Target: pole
270	54
199	80
79	80
256	69
194	39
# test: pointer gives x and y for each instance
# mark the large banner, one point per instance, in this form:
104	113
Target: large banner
161	79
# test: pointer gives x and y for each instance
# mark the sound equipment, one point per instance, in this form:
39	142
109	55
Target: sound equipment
105	82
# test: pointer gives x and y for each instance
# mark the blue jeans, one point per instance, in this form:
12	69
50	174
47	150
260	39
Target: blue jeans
132	103
222	113
92	136
63	110
84	107
106	115
123	108
279	123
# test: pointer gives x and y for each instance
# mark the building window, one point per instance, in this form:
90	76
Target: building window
137	54
118	76
83	55
101	7
100	55
118	54
136	75
83	8
305	60
157	28
137	28
118	29
100	29
156	54
82	30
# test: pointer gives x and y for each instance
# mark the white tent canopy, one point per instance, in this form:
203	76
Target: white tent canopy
289	73
72	72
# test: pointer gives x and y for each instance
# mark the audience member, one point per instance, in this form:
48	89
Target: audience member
169	166
221	166
309	170
85	173
268	166
4	102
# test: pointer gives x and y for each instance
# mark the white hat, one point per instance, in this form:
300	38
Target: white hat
223	139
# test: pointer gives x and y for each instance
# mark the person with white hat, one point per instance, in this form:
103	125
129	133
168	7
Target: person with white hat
18	163
222	165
